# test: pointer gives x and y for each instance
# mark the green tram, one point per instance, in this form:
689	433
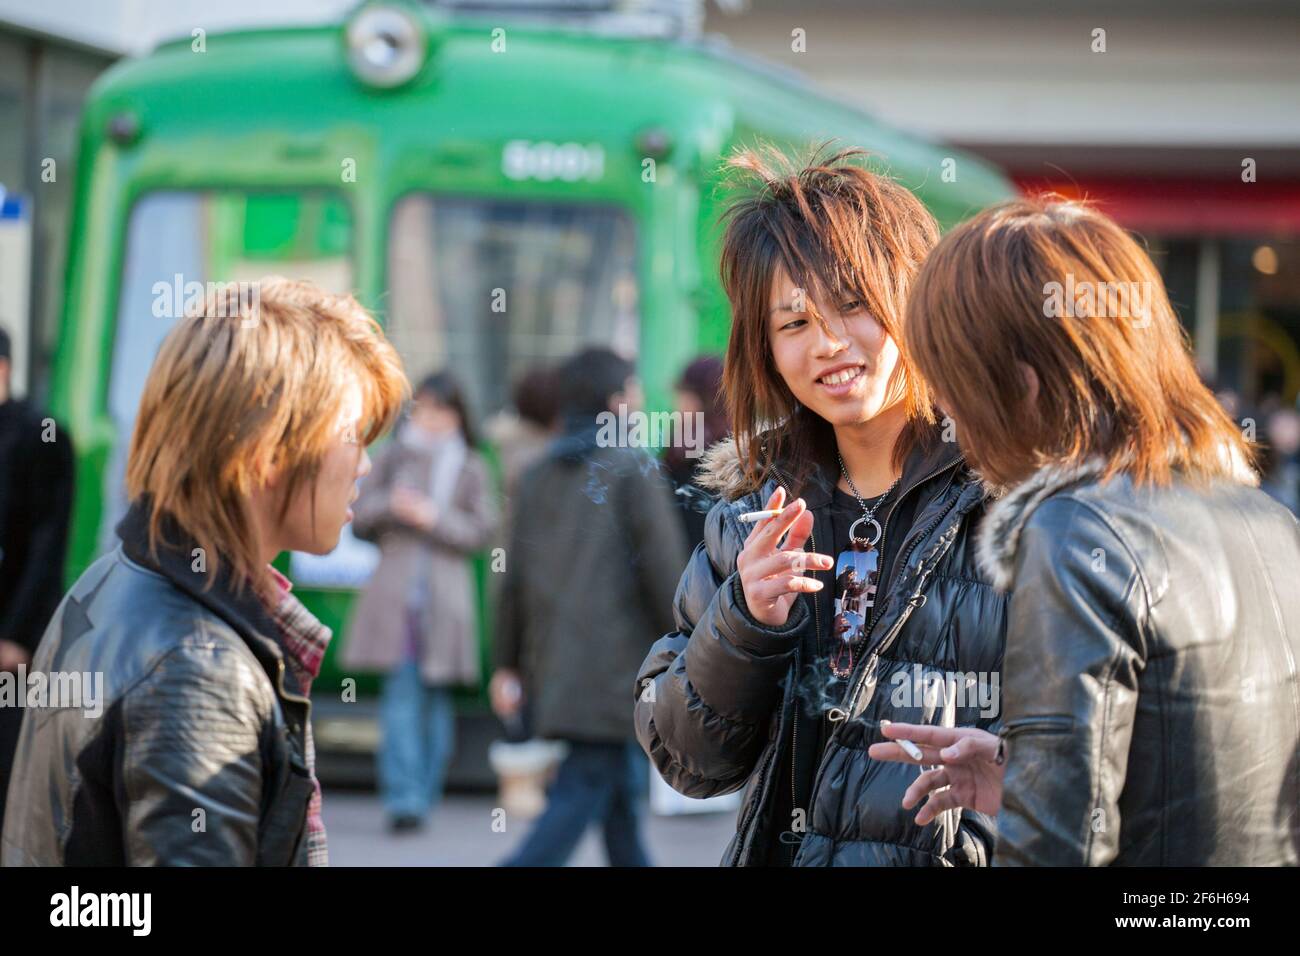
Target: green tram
438	160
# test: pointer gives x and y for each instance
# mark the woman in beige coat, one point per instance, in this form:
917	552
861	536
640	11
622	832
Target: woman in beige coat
428	504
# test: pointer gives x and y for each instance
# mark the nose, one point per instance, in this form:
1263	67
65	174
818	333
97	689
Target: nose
828	343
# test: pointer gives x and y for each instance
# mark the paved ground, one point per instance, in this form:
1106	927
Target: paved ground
461	834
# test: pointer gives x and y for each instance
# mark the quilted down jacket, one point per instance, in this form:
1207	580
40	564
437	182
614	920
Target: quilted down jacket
724	702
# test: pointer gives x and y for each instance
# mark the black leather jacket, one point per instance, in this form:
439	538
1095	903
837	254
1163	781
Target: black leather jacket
1152	701
720	702
196	757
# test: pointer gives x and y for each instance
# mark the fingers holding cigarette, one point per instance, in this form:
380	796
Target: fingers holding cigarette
902	748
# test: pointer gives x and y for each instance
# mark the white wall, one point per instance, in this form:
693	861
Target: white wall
986	75
136	26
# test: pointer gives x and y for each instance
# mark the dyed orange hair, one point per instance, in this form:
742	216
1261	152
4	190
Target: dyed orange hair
1062	289
241	382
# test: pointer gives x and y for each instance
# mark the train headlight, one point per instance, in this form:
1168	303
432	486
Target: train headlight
386	45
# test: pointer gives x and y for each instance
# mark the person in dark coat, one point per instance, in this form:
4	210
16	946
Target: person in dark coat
756	686
595	550
698	394
36	484
178	732
1152	700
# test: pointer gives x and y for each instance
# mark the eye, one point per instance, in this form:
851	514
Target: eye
792	324
854	305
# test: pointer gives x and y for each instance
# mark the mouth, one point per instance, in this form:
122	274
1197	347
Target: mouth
842	380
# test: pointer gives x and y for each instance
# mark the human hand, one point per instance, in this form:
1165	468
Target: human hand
772	578
12	655
413	508
506	693
964	769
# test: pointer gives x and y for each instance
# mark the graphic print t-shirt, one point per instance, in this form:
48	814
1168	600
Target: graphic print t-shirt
856	571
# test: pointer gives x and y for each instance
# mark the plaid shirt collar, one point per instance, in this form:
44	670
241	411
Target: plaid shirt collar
304	637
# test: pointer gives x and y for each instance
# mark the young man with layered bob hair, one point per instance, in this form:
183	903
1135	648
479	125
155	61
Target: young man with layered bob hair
250	439
1151	689
790	655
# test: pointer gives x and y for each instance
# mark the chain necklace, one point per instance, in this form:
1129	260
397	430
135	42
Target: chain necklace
868	514
856	572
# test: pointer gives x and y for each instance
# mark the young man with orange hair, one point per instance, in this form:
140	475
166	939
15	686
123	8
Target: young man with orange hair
250	439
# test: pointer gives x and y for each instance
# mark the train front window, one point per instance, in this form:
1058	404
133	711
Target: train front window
177	243
488	288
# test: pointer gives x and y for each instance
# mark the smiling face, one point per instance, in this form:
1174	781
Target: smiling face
846	371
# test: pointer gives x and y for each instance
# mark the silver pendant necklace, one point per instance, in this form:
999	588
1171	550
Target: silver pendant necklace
868	514
857	571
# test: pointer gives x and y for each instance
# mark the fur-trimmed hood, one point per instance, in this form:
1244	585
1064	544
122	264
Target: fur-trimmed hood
998	536
720	471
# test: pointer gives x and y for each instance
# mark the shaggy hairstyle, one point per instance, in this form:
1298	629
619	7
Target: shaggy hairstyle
840	230
244	382
1116	380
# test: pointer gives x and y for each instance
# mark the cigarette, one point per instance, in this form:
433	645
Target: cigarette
911	749
752	516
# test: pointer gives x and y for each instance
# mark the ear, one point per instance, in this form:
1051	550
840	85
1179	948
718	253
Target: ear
1030	378
270	469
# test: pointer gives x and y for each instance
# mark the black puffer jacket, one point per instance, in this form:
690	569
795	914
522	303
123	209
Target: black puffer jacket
724	700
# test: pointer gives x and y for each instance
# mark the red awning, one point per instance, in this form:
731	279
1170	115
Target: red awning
1187	206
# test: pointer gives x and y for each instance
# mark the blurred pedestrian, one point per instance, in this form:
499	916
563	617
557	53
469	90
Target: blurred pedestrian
1150	682
36	475
429	505
590	571
520	434
194	747
698	393
1279	456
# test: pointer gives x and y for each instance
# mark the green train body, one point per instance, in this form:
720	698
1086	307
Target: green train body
550	185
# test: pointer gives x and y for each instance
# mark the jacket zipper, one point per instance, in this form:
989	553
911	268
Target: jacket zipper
794	723
743	832
846	705
1054	723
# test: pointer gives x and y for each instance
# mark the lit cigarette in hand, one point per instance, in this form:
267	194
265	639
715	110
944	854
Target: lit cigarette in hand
909	748
752	516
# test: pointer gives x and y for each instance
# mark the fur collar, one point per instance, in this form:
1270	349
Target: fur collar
998	536
720	471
